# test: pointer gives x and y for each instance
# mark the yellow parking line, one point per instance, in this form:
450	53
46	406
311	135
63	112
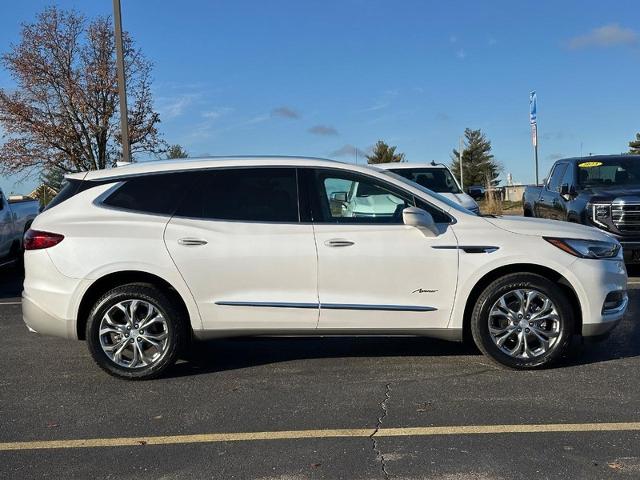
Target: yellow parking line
315	434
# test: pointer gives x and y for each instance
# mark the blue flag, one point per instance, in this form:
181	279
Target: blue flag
533	108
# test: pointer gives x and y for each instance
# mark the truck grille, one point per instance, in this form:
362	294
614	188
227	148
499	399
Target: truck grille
626	217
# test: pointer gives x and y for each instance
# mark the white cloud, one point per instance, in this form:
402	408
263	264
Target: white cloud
172	107
461	54
606	36
216	113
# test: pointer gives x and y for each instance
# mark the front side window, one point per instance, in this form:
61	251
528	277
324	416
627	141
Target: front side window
244	194
349	198
556	176
344	197
438	180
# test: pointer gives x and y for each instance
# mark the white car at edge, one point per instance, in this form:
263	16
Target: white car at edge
140	260
436	177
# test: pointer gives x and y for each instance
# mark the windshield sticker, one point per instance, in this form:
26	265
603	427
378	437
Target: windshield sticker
590	164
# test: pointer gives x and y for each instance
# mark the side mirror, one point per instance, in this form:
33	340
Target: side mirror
421	219
476	192
339	196
566	190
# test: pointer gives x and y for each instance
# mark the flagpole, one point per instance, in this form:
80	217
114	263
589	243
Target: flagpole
535	150
461	171
533	120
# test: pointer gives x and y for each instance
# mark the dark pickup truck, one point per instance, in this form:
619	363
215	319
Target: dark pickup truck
600	191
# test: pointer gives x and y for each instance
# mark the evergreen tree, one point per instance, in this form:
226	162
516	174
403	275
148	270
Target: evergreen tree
176	151
383	153
480	168
634	145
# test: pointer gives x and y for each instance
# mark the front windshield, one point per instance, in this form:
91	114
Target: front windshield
431	193
437	180
611	172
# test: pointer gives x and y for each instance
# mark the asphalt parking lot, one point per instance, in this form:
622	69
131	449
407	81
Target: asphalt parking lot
293	409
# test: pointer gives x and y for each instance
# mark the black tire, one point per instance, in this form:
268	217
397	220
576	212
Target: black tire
509	283
176	328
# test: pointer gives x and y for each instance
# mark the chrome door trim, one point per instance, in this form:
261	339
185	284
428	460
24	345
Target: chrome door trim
268	304
331	306
394	308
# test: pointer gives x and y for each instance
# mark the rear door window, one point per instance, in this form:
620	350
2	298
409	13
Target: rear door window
262	194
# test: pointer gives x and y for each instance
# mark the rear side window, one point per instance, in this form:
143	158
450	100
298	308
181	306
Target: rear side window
69	189
244	194
159	193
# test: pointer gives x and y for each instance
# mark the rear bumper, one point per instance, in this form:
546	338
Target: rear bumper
49	298
41	321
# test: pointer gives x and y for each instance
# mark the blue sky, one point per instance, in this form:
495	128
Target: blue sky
322	78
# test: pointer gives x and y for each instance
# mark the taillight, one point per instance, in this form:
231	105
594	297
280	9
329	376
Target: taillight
36	240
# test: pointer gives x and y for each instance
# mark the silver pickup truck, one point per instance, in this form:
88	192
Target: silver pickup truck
16	215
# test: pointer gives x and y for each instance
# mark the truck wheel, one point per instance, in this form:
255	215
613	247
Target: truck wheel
523	321
136	332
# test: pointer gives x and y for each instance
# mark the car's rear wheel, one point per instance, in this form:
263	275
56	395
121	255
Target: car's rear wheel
135	331
523	321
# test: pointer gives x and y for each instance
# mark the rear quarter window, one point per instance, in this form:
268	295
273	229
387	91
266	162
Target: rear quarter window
69	189
159	193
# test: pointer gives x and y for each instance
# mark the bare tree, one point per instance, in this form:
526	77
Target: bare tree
63	112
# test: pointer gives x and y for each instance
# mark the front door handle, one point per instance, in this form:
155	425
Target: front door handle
338	242
192	242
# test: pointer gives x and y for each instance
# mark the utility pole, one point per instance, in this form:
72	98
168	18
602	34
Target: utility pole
461	170
122	89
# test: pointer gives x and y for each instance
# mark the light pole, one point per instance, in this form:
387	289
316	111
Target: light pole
122	89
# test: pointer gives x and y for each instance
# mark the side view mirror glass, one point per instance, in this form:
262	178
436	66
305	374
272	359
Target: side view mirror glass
421	219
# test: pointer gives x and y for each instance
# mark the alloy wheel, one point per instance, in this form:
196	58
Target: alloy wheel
524	323
133	334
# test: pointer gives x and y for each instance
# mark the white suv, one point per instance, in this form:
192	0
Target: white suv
140	260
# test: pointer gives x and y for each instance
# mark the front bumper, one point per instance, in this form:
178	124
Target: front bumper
594	281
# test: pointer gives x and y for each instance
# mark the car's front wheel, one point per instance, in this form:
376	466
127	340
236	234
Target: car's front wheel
135	331
523	321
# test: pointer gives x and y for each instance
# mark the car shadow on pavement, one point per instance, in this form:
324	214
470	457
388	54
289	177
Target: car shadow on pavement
238	353
11	279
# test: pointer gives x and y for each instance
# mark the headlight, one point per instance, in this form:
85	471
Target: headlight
600	212
586	248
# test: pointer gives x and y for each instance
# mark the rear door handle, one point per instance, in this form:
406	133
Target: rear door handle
192	242
338	242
